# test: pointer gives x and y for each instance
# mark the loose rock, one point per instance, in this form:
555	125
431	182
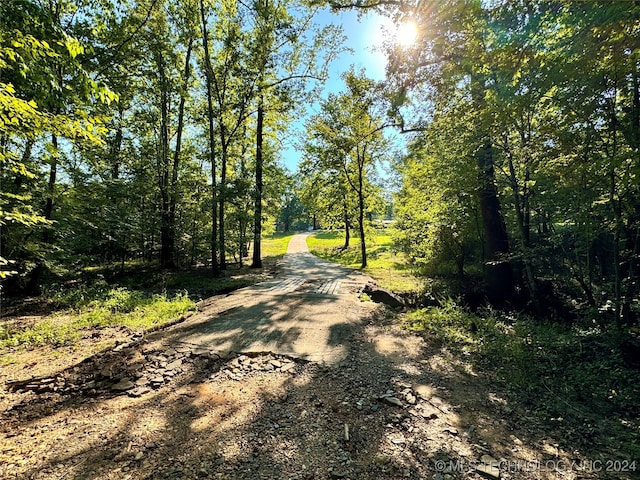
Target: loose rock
391	401
123	385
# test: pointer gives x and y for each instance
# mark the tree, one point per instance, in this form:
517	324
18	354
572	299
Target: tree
326	194
438	224
51	104
288	53
250	47
347	137
546	98
293	214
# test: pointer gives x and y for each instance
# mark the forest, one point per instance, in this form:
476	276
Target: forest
151	132
489	184
147	130
521	168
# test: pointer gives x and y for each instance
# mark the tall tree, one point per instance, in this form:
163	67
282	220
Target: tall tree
347	136
551	97
326	194
209	75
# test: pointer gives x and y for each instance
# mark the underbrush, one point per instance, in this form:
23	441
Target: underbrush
198	283
95	308
136	295
570	376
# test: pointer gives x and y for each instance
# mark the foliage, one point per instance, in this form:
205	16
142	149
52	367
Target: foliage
448	323
293	214
524	147
437	217
33	43
567	376
103	129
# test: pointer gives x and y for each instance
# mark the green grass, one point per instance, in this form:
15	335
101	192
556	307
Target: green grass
133	309
45	332
389	268
569	376
118	306
275	245
448	324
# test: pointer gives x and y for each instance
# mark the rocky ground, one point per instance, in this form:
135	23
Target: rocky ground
397	407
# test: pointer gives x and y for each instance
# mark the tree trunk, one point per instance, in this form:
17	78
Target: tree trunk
257	215
114	157
241	240
166	240
33	285
615	202
53	173
347	231
215	267
521	203
222	200
173	187
363	243
633	228
498	273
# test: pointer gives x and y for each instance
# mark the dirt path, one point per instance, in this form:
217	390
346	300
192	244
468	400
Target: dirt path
307	312
390	406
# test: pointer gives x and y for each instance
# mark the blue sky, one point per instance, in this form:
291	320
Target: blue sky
364	35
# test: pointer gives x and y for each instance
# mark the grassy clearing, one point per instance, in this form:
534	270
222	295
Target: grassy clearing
569	376
275	245
389	268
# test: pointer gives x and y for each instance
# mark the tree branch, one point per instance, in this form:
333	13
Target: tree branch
292	77
364	4
117	48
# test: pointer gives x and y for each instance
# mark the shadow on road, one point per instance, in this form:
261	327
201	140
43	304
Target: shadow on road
386	405
410	413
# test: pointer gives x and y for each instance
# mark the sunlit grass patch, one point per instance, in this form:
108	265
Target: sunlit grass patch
134	310
449	324
48	331
325	240
275	245
388	267
114	307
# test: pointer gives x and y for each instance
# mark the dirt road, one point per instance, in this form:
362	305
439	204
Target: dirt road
307	312
386	405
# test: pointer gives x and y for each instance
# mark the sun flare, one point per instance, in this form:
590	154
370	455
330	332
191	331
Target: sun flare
406	33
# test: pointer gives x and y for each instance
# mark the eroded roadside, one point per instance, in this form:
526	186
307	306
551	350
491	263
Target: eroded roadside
293	378
395	407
